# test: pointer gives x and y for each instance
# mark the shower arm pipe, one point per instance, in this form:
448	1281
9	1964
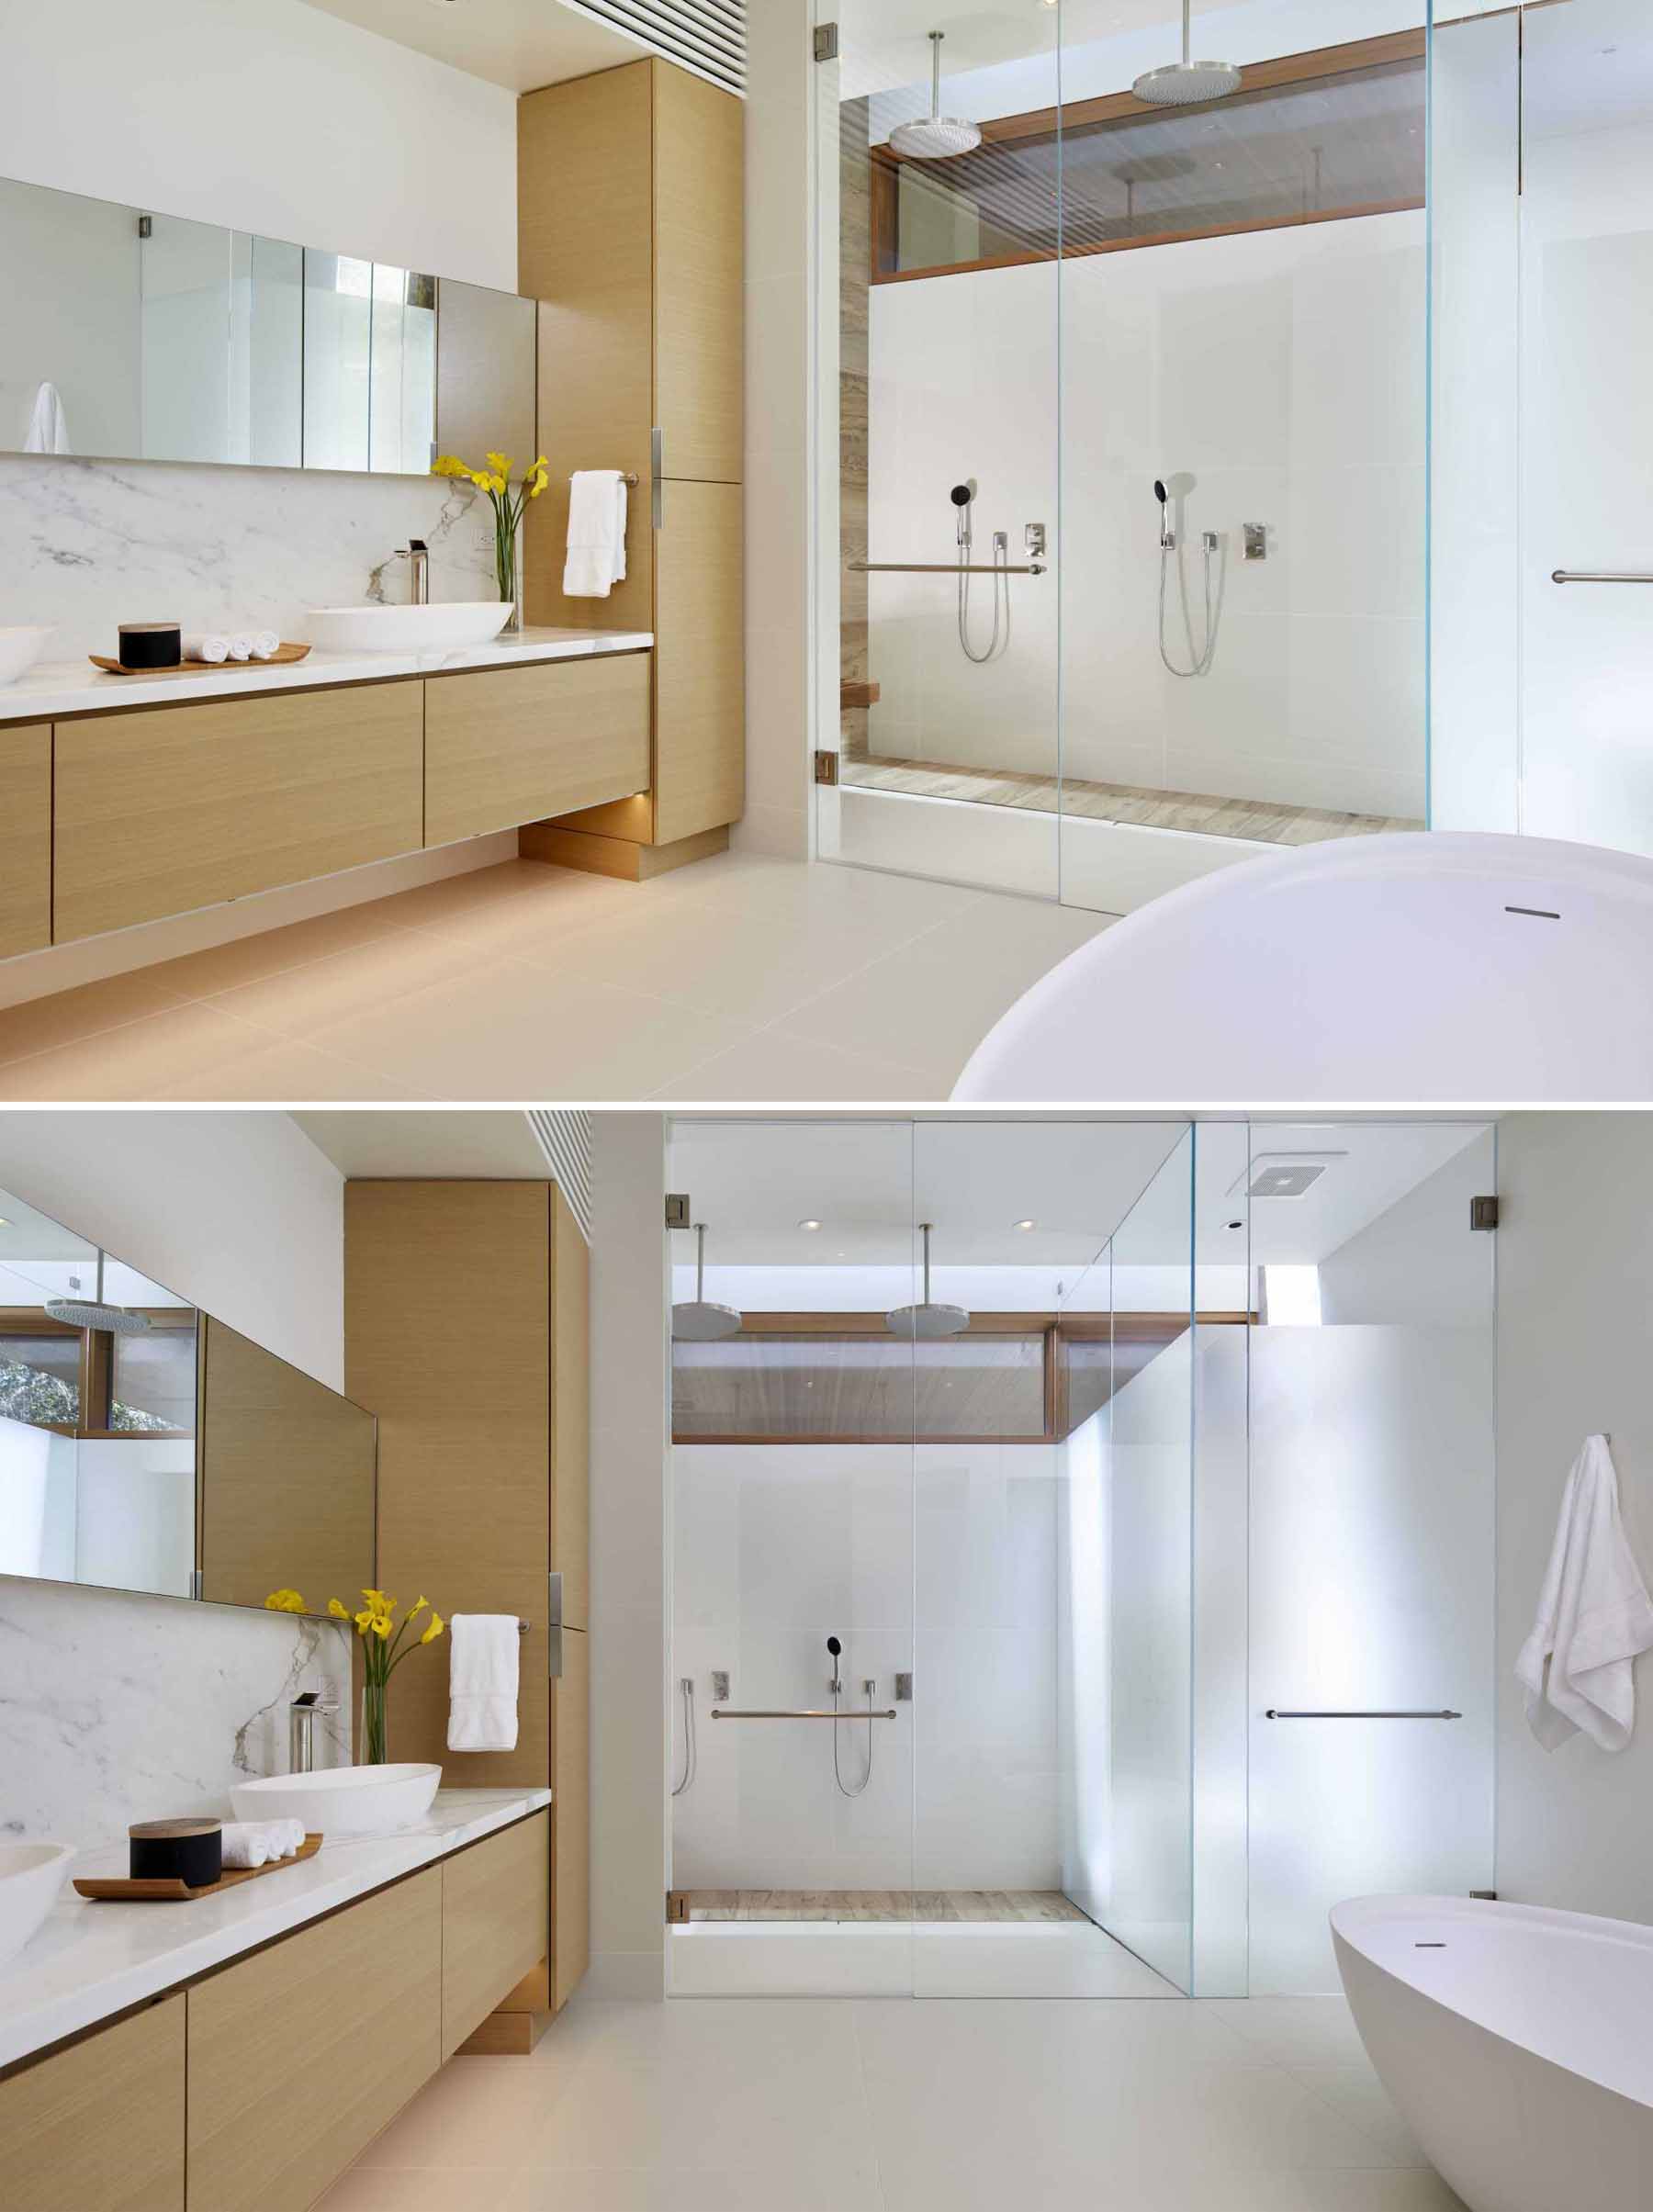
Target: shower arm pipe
943	568
1598	575
731	1712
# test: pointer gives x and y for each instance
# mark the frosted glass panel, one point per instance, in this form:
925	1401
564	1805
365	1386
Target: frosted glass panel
1371	1550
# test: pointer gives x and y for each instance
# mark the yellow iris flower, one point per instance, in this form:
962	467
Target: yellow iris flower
499	462
339	1611
434	1630
284	1601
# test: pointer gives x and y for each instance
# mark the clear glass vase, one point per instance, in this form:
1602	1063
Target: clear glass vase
508	573
373	1750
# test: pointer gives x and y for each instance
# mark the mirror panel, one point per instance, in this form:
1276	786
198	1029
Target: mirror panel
170	340
159	1450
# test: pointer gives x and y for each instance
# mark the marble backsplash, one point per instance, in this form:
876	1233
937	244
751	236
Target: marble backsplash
117	1707
88	544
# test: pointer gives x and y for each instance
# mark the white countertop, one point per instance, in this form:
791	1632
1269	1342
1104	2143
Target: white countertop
53	688
94	1960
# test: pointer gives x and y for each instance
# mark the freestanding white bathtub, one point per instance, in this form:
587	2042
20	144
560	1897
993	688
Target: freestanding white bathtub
1517	2042
1451	967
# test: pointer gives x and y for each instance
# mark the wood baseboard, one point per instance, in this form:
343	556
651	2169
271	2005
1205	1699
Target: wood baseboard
619	856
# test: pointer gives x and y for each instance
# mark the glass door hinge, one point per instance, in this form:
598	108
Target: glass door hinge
827	42
677	1209
825	766
1483	1213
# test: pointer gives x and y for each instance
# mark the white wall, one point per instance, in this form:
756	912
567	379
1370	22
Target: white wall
117	1707
1575	1284
629	1538
938	1560
1286	371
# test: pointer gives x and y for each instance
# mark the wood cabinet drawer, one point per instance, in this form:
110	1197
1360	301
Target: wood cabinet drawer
300	2054
177	807
100	2126
25	839
507	746
496	1904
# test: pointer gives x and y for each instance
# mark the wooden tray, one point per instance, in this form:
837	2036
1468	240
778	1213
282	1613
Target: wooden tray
283	657
169	1890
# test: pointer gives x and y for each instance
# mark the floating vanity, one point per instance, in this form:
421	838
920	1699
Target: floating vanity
240	2051
134	798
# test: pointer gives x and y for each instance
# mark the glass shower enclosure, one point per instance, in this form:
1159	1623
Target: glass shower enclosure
1082	1550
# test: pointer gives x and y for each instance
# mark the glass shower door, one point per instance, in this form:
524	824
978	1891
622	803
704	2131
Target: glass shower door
1371	1548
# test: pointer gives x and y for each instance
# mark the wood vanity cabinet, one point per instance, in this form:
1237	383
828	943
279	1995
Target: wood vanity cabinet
630	227
509	745
169	808
25	839
495	1924
300	2054
99	2126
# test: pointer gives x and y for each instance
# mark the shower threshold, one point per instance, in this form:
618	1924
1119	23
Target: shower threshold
931	1907
1255	821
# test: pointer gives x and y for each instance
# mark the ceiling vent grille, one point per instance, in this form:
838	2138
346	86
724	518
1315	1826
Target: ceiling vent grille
566	1140
706	36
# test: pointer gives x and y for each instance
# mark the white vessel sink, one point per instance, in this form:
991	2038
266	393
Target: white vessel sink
436	629
31	1875
20	648
341	1800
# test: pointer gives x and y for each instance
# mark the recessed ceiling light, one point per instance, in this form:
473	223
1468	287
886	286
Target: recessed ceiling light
809	1224
4	1222
1024	1225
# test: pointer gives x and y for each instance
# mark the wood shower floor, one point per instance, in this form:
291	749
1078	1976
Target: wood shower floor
882	1904
1204	812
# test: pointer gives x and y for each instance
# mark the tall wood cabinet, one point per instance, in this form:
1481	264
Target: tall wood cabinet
630	227
467	1329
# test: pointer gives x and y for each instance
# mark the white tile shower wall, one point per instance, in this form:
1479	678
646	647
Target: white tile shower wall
1283	371
941	1562
116	1708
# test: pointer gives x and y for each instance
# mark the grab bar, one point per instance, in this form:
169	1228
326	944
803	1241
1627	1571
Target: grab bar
1598	575
725	1712
942	568
1276	1712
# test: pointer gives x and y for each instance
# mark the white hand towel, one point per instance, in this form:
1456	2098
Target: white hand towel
247	1843
213	648
596	560
482	1682
48	424
240	645
263	644
1594	1617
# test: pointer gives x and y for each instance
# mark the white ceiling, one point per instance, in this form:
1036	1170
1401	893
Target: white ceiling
517	43
499	1146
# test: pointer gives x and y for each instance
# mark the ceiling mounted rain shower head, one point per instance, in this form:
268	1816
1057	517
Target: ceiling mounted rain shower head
929	1320
77	1312
1186	83
934	137
700	1320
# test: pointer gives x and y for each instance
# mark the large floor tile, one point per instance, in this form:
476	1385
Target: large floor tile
281	1070
1294	2031
1360	2096
271	952
188	1042
478	2112
508	1032
517	895
742	2189
298	1001
67	1017
768	1065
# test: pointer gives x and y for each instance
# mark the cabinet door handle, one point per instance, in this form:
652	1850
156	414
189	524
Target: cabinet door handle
657	476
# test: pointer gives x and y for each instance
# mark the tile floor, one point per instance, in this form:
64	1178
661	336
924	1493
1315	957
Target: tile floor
740	979
817	2104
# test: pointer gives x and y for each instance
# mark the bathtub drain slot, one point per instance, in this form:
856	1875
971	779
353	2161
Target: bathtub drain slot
1429	1947
1539	913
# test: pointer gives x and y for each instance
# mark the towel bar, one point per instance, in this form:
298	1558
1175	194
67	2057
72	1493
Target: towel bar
1445	1713
850	1713
942	568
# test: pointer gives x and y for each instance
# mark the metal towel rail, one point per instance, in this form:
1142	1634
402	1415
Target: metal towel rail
944	568
1600	576
1444	1713
850	1713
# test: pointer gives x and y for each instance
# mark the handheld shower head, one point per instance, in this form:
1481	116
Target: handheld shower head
1168	535
962	496
834	1647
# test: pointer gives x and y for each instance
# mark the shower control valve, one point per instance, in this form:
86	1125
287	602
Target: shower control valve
720	1686
1256	538
1033	540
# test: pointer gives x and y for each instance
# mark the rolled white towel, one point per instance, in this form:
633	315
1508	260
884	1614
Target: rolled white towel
289	1834
265	644
239	645
247	1844
213	648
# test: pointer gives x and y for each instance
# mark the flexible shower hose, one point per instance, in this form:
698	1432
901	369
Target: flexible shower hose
838	1775
1201	657
1001	567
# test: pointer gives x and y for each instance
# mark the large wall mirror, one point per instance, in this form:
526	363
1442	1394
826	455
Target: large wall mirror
137	336
145	1446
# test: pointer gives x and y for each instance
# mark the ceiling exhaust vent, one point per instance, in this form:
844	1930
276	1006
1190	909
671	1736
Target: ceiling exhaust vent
706	36
1283	1174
